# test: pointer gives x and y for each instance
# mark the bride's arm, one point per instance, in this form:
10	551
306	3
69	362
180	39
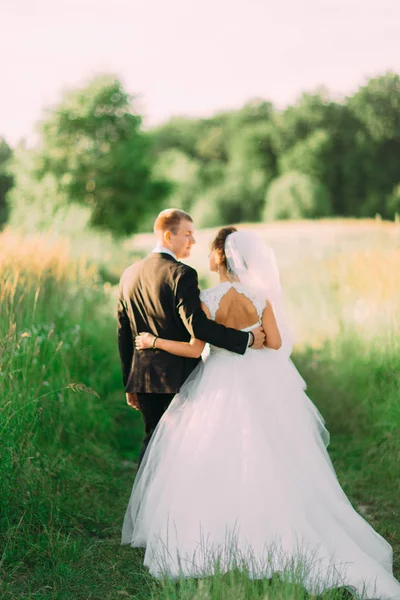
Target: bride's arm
192	349
272	336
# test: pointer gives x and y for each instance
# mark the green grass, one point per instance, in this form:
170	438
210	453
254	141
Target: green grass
68	454
63	477
359	396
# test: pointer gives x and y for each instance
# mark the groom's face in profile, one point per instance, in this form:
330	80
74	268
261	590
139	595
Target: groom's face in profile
182	240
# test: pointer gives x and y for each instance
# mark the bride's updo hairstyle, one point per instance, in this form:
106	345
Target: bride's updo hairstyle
218	244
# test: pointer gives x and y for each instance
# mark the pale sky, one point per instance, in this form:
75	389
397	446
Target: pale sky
189	57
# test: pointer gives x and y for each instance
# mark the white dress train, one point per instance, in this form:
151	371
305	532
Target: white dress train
237	474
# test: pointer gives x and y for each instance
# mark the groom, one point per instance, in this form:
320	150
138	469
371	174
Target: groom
160	295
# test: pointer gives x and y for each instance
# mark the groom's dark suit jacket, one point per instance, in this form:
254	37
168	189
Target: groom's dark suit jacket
161	295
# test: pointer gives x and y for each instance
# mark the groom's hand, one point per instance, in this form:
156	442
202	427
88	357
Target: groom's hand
132	400
259	338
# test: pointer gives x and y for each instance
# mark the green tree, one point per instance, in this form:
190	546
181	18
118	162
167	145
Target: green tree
38	205
252	149
377	108
295	195
179	133
324	139
183	174
212	144
6	179
238	199
311	156
310	113
94	146
351	148
392	203
240	192
235	157
255	112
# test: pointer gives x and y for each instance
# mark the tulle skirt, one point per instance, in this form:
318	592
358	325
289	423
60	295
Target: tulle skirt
237	475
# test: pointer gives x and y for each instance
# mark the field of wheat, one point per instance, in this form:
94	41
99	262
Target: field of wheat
69	443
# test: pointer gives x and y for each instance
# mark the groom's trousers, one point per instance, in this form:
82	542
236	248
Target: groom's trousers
152	407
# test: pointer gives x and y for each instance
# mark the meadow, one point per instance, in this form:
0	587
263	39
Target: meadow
68	441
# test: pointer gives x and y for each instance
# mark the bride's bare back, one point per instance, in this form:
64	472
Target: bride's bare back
236	310
233	305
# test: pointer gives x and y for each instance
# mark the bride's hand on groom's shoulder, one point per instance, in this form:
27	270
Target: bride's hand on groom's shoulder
143	341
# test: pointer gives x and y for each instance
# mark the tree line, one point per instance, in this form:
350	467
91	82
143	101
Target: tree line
318	157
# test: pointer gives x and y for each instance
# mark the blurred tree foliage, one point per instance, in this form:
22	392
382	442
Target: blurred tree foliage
38	205
377	108
295	195
94	147
319	156
349	151
6	179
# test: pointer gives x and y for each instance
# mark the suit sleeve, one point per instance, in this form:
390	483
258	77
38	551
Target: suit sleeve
196	322
125	339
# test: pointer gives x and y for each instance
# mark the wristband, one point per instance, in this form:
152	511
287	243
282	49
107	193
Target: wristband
253	340
154	342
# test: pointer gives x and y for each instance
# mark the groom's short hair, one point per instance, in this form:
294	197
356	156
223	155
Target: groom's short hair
170	219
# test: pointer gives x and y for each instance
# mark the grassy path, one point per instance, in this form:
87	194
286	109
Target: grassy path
84	560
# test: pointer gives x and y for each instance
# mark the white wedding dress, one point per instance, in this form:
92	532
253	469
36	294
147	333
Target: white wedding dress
237	474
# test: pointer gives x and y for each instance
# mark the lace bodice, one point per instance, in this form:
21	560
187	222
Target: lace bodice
213	296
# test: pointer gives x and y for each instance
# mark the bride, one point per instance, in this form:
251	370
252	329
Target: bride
237	473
